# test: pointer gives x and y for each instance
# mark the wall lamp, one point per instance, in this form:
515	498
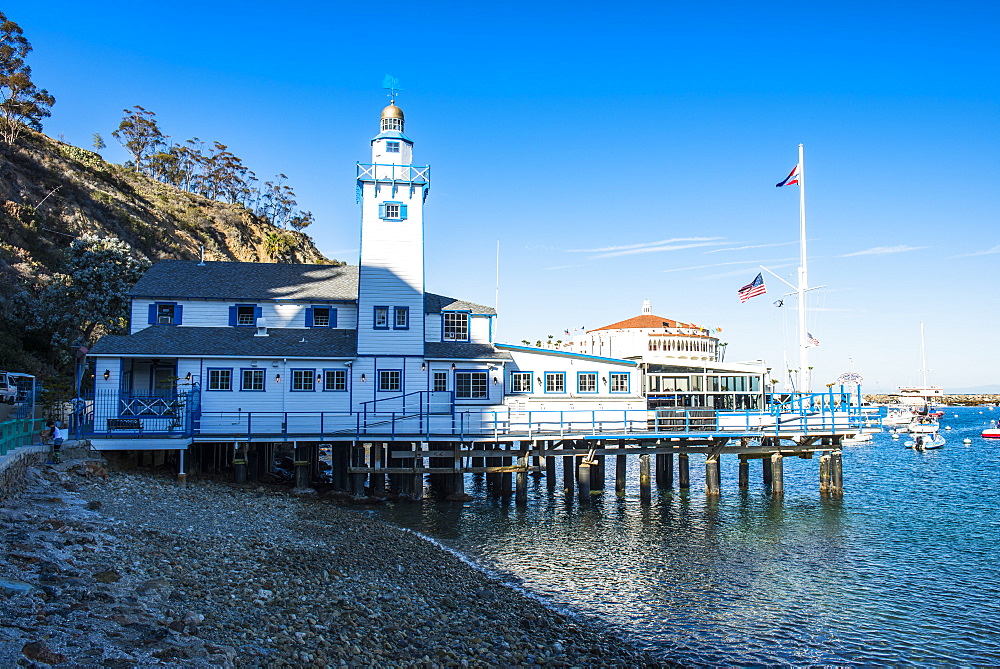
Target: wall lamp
423	367
495	380
362	378
188	377
453	366
604	380
277	378
319	378
107	374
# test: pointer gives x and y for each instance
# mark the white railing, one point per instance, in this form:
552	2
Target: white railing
419	174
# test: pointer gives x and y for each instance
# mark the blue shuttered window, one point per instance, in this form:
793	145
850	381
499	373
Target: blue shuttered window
392	211
152	314
309	317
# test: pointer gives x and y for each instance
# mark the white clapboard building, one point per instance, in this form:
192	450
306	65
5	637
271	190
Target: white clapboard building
222	351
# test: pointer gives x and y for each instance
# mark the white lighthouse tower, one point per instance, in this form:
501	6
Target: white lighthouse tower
391	191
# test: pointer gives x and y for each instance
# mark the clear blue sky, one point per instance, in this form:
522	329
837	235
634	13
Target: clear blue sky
582	135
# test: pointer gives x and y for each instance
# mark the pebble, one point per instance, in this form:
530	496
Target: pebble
217	575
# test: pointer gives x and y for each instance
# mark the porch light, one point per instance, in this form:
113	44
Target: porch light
604	380
319	378
188	377
423	367
453	366
107	374
277	378
362	378
495	380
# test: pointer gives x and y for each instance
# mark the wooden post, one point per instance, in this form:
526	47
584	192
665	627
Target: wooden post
536	463
379	453
182	476
301	466
824	473
477	462
597	475
569	472
621	466
765	470
712	483
415	483
668	470
683	472
521	496
506	478
837	473
583	477
777	474
240	465
744	475
358	460
658	470
644	479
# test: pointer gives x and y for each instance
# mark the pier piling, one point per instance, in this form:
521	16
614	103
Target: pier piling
668	470
765	470
240	465
569	472
645	494
621	464
824	473
712	483
597	475
521	496
777	474
302	466
550	472
683	472
744	473
837	473
583	476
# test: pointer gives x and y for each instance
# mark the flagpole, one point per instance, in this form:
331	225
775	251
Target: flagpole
803	279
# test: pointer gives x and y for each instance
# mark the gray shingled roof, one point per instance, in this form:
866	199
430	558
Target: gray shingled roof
235	281
169	341
463	351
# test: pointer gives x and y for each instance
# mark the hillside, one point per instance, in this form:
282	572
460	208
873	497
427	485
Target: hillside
52	194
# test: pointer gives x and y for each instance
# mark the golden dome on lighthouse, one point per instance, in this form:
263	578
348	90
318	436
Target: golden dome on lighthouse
392	111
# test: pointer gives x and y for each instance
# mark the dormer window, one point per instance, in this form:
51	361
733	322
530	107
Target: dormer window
244	314
165	313
392	147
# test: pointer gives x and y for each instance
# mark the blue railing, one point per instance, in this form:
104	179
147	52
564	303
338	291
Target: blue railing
113	413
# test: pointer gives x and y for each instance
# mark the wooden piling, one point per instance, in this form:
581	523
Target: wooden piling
837	473
379	453
240	465
668	470
744	473
824	473
415	483
583	480
302	466
712	483
550	472
658	469
506	478
765	470
597	475
358	460
621	466
521	496
645	494
777	474
569	473
683	472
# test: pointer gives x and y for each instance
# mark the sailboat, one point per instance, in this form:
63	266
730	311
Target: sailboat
925	395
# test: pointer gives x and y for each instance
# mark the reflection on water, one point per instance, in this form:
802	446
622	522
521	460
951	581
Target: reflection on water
903	569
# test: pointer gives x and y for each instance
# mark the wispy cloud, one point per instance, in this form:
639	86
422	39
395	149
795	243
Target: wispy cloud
567	266
753	246
986	252
627	247
656	249
723	264
883	250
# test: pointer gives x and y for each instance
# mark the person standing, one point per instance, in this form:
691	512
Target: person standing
58	434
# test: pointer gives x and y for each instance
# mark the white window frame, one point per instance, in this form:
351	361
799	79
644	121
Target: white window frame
458	329
521	382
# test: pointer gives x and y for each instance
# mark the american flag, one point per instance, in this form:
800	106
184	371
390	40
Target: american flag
753	289
812	341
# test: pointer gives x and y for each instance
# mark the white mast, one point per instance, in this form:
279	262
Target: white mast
803	285
923	358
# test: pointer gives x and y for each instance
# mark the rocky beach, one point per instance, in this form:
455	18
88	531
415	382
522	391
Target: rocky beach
133	570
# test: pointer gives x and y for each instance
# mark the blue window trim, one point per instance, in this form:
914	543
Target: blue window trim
382	211
611	382
468	324
484	372
334	390
291	380
587	392
395	318
310	316
263	380
531	380
208	378
154	313
545	383
378	380
258	312
375	325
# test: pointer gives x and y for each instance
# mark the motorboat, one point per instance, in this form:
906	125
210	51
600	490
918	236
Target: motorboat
925	442
991	433
923	425
857	439
898	416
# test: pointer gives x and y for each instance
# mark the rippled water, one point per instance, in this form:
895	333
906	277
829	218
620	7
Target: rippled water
905	568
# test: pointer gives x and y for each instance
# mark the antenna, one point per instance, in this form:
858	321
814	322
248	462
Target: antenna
391	84
202	263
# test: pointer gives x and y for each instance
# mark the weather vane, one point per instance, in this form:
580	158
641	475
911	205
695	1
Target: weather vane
391	84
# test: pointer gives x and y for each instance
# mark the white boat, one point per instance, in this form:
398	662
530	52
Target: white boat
856	439
899	416
925	442
991	433
924	395
923	425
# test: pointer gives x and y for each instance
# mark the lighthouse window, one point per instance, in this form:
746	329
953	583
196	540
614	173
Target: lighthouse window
395	211
392	147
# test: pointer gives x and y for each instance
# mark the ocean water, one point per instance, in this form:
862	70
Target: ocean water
903	569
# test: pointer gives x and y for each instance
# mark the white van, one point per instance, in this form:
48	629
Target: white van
8	391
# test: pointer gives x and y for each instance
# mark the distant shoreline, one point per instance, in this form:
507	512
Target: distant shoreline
978	399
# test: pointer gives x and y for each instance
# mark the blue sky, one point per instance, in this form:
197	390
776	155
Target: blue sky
617	152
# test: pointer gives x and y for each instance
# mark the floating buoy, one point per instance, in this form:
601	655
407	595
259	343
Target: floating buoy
966	441
895	435
947	427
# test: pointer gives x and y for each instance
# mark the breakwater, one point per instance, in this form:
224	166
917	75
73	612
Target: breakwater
990	399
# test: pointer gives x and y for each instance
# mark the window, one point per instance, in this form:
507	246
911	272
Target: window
401	319
220	379
253	379
381	321
392	211
244	314
303	380
392	147
586	382
555	382
164	313
456	326
471	385
392	124
619	382
335	379
440	381
321	317
390	380
520	382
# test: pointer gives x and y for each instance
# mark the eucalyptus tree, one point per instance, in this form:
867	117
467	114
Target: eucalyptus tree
22	103
140	135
